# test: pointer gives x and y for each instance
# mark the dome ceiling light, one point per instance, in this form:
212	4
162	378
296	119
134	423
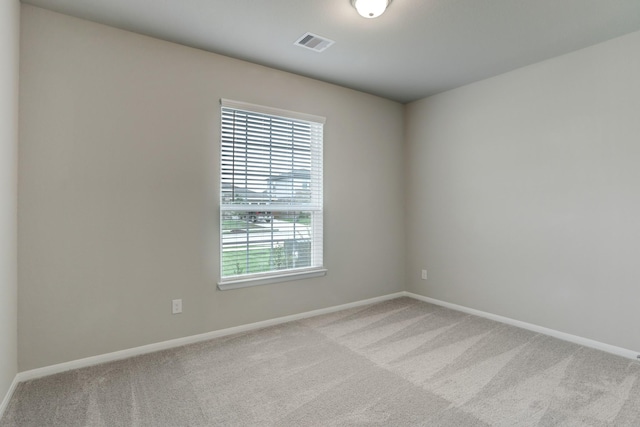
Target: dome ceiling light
370	8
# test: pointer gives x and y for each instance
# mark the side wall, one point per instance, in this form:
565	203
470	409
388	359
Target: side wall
9	59
523	194
119	162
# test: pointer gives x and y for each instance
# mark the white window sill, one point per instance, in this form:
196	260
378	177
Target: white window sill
225	285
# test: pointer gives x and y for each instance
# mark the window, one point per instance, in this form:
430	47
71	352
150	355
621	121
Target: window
270	195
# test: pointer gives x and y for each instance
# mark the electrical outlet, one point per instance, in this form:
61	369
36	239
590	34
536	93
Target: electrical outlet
176	306
424	274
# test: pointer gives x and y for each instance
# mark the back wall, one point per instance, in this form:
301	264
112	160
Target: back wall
118	185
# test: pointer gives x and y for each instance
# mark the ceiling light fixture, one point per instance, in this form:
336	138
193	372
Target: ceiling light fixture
370	8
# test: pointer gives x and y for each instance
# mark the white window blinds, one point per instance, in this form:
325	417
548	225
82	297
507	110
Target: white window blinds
271	191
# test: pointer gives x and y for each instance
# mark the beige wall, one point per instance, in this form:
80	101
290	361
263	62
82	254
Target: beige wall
118	188
520	192
523	194
9	50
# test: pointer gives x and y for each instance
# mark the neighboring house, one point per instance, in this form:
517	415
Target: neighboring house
238	194
241	194
290	186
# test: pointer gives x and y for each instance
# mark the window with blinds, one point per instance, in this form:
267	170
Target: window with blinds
270	195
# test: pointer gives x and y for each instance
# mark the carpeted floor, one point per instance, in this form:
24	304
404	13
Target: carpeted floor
397	363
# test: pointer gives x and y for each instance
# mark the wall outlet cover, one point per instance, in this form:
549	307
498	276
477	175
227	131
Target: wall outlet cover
176	306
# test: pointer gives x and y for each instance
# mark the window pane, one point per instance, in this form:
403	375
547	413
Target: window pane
262	241
271	191
270	160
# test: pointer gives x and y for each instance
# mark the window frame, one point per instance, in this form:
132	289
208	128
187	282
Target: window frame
315	229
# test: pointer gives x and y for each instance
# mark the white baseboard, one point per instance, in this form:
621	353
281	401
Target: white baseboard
164	345
619	351
7	397
136	351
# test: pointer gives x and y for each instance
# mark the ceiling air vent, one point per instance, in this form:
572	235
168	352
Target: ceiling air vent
313	42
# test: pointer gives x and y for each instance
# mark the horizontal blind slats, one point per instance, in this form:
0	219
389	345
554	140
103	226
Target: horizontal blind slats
271	192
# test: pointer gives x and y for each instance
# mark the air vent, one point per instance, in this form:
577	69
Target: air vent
314	42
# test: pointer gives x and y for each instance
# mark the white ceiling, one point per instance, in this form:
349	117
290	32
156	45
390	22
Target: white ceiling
417	48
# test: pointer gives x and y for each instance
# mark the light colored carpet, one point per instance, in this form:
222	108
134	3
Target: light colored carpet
397	363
